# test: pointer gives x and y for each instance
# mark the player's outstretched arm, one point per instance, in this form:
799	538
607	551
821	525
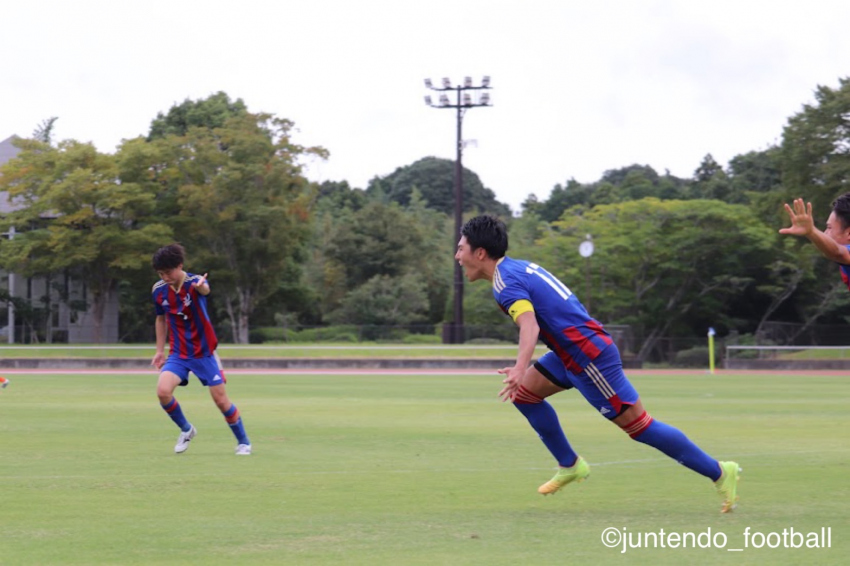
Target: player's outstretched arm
201	285
802	224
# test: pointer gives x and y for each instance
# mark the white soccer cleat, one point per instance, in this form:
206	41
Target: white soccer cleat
243	450
183	440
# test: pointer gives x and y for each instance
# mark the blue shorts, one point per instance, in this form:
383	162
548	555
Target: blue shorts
602	382
207	370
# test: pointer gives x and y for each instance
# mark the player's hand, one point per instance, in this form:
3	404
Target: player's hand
802	223
511	382
158	360
200	281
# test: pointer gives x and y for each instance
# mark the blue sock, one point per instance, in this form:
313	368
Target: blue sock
544	420
675	444
234	421
176	413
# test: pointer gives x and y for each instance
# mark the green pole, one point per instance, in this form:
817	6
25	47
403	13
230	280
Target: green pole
711	351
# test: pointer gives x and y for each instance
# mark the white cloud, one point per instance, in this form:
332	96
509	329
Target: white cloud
579	87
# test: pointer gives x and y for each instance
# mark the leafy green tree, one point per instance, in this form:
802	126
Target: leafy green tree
482	316
711	182
433	233
816	148
44	131
620	177
209	113
385	240
323	272
671	187
560	199
73	212
792	267
525	232
660	263
385	301
434	177
616	185
244	206
814	160
638	185
293	301
377	241
756	171
605	193
708	169
336	195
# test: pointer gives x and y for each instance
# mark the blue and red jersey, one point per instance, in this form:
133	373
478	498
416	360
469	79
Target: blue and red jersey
190	332
565	326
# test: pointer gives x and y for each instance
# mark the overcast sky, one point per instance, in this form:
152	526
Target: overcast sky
578	87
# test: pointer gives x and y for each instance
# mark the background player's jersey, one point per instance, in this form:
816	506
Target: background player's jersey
190	332
565	326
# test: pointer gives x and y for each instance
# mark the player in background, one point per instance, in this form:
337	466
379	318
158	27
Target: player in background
582	355
180	301
833	242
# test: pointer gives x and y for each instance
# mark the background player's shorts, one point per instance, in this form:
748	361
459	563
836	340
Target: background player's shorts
602	382
207	370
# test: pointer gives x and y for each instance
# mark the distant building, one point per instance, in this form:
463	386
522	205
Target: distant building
64	324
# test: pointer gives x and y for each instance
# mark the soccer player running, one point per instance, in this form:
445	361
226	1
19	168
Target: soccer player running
582	355
180	301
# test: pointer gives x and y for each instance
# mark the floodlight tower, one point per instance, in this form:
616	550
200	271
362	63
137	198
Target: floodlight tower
464	101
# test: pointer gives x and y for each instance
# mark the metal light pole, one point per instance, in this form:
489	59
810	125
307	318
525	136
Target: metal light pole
464	102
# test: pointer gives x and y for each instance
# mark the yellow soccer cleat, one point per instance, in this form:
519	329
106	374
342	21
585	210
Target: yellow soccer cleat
579	472
727	485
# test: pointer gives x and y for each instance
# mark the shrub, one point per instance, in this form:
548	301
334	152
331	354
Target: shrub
692	358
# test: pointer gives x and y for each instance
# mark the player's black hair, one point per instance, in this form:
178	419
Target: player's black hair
841	208
168	257
487	232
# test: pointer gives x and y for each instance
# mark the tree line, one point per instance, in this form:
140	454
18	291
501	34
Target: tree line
673	255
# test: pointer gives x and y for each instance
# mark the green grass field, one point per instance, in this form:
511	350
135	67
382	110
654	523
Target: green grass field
405	469
791	353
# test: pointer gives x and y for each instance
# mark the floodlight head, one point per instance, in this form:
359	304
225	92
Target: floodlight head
467	99
485	98
428	101
428	83
485	82
447	83
467	82
444	100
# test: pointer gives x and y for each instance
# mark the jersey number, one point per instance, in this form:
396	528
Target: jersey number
550	279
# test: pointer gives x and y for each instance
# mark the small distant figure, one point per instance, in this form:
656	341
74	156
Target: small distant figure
180	301
3	382
582	355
